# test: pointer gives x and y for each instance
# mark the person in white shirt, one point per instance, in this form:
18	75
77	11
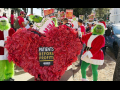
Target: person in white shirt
26	22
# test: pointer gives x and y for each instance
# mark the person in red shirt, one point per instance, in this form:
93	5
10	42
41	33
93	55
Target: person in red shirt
83	31
12	19
21	20
4	15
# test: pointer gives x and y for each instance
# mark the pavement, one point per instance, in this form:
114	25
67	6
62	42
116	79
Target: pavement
73	72
20	75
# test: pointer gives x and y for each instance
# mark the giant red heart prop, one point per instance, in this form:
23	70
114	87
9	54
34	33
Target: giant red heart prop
23	51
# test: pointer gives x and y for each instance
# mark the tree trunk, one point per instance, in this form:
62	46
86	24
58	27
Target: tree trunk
31	10
116	76
24	9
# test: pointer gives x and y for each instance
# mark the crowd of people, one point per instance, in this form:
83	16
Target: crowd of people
23	22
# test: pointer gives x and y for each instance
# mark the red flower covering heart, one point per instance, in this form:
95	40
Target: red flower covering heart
23	51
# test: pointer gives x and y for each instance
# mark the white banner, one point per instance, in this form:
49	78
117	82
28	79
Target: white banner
75	22
44	26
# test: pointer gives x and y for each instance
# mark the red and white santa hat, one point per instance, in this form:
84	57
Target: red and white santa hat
3	18
52	17
103	24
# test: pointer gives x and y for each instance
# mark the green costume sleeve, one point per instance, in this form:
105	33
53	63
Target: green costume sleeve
35	18
55	21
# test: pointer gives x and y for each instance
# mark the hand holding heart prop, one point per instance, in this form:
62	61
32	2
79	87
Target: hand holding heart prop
23	51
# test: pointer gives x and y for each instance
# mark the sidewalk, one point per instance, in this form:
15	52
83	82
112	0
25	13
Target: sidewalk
105	71
73	73
20	75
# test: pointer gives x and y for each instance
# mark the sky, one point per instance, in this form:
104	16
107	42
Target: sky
35	11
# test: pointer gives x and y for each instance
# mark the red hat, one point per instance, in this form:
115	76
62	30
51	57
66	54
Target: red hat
3	18
104	24
52	17
22	12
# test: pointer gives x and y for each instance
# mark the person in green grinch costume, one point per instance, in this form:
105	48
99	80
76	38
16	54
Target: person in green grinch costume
93	54
6	67
38	19
35	18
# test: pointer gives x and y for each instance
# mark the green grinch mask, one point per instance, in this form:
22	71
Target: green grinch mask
3	22
98	30
35	18
4	25
55	21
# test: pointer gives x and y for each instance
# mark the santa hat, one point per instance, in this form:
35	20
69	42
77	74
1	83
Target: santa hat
3	18
52	17
103	24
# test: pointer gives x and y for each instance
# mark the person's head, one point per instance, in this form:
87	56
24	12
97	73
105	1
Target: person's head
93	24
4	24
12	11
87	24
65	21
4	14
80	22
31	25
99	29
90	24
100	20
22	14
84	23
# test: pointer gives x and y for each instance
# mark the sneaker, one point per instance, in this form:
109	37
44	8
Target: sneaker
10	79
83	79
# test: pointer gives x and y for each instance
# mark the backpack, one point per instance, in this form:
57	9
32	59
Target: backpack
16	24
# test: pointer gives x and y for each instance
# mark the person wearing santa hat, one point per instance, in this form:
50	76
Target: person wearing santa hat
6	67
103	22
92	53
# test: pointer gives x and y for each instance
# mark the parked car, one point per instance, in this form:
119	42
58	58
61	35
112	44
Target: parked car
112	38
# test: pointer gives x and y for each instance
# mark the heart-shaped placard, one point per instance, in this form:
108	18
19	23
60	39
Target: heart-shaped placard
23	51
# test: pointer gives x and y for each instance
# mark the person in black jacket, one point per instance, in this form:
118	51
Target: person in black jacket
65	22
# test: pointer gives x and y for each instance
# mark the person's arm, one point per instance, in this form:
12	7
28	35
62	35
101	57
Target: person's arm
82	33
25	24
100	44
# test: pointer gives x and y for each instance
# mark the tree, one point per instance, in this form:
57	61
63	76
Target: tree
102	12
31	10
17	10
25	10
78	11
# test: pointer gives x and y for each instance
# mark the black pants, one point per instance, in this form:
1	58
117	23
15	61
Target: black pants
12	26
103	48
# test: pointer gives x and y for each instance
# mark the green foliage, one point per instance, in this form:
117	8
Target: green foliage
102	12
17	10
98	29
78	11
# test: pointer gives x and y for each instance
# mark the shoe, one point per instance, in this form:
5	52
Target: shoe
83	79
10	79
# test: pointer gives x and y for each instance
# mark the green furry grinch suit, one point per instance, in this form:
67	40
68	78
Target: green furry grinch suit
93	54
6	67
38	19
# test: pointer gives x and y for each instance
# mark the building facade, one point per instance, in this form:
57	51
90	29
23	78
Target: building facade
115	15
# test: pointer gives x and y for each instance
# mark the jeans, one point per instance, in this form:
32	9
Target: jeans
82	53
